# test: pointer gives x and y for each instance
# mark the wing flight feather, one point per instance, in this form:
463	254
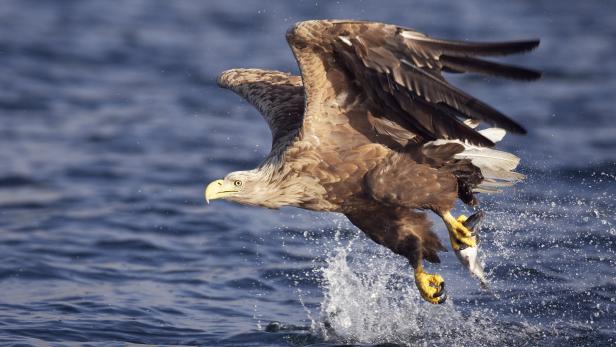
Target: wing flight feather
400	70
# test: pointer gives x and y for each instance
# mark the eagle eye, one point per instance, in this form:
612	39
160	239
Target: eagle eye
237	183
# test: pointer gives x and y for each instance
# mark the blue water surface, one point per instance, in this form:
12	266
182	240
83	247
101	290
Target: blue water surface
111	125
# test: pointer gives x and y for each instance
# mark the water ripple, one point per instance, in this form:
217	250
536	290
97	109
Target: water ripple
111	125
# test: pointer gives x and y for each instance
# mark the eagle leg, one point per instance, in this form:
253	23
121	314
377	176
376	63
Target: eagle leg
459	235
408	234
430	286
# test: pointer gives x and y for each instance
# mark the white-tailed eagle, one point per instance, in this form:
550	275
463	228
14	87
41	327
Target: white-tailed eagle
372	129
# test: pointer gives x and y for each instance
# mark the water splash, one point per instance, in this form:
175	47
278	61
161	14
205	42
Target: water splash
370	297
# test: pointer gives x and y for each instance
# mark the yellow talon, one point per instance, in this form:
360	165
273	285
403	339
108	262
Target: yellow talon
431	286
459	235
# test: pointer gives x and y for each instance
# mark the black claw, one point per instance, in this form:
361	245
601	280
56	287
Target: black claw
474	221
441	291
461	246
442	298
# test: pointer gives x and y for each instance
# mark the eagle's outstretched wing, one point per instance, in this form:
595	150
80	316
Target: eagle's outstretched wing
278	96
399	71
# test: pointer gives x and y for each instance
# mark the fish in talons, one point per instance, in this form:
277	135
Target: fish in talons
468	256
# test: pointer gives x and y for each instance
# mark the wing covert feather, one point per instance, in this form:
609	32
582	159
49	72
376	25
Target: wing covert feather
400	71
278	96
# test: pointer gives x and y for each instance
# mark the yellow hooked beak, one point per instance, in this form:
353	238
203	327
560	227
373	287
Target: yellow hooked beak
217	190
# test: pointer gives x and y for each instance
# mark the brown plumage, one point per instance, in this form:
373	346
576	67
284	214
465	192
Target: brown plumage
372	129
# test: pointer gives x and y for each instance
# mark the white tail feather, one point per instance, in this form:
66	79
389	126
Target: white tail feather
496	166
491	159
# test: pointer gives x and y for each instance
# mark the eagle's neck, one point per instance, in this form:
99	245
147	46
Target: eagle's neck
279	185
276	188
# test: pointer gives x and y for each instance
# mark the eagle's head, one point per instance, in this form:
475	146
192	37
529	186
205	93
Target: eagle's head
239	186
266	186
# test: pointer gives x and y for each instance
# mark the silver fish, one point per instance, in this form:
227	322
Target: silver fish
468	255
